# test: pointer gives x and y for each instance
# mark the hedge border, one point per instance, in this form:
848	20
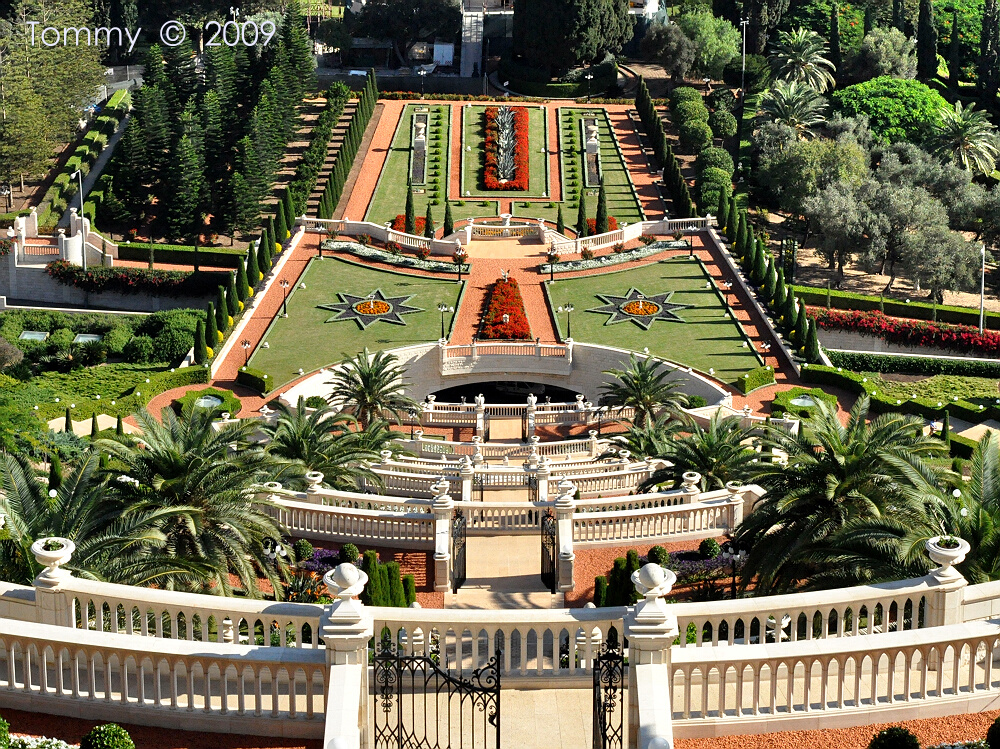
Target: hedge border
755	379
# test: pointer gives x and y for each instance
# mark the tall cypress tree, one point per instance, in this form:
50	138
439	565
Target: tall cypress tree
835	55
779	289
280	225
988	66
242	287
581	215
429	222
211	327
801	326
812	344
119	426
200	352
274	247
449	223
55	469
601	223
232	300
263	256
222	311
560	223
898	21
94	428
954	54
770	282
289	206
409	214
733	220
722	212
68	423
253	272
926	42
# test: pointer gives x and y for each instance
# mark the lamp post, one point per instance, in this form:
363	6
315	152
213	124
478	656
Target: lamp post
982	288
459	258
274	550
423	74
283	283
245	343
413	417
589	77
78	175
553	258
443	308
736	558
744	22
568	308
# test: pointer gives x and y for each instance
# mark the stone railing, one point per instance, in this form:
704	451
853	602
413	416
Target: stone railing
405	530
381	232
503	358
704	519
665	227
431	448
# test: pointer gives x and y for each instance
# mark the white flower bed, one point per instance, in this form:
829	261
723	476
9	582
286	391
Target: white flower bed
39	742
617	258
403	261
975	744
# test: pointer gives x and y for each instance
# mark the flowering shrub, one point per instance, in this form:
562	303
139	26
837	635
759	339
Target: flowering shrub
592	225
586	254
136	280
520	181
618	248
394	248
505	299
6	245
963	338
419	223
423	252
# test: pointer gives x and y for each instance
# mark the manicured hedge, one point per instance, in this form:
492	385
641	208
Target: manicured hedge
755	378
783	401
867	362
816	297
137	280
961	447
254	378
175	254
230	403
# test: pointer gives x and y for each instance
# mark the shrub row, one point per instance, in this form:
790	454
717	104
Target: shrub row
334	187
818	297
314	157
861	361
217	257
491	144
755	378
537	82
782	403
662	151
87	151
136	280
255	379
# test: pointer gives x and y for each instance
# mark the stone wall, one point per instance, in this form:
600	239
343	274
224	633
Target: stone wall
848	340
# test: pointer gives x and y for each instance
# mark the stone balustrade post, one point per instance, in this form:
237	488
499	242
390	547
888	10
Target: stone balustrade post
480	415
442	353
593	640
53	602
443	508
735	489
466	472
477	451
593	443
690	486
650	629
314	481
569	350
542	474
346	627
565	506
533	456
944	602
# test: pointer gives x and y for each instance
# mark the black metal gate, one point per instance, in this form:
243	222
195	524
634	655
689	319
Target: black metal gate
458	542
549	551
609	694
524	427
478	487
532	488
418	705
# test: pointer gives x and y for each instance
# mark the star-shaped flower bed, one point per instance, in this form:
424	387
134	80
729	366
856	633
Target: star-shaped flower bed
642	309
366	310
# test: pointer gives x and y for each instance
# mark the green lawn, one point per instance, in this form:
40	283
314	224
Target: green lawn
389	199
943	387
622	202
305	340
473	161
705	340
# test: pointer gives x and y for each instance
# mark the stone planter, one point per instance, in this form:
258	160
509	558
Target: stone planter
945	557
52	560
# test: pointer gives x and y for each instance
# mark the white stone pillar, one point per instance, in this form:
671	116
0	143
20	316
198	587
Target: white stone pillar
346	627
650	629
314	479
467	472
565	507
53	603
690	485
944	603
735	489
480	416
542	474
593	442
530	411
443	507
477	450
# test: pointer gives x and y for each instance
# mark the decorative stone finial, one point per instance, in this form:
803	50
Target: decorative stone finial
345	581
735	488
314	479
690	481
52	553
946	551
653	581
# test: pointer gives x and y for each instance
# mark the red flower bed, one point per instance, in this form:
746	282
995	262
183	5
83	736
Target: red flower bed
963	338
592	225
399	224
505	299
520	181
137	280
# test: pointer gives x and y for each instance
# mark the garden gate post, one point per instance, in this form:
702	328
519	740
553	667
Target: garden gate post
466	472
443	508
346	628
53	597
565	507
650	630
542	474
946	595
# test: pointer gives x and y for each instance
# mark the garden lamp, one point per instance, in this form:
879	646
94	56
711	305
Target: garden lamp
568	308
443	308
283	283
245	343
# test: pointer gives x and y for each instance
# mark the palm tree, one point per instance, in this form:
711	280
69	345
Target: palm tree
112	544
799	56
651	439
796	105
967	137
322	441
372	386
835	475
210	478
644	387
719	453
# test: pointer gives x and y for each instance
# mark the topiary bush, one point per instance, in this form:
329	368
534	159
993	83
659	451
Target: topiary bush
715	158
709	548
108	736
173	344
894	737
716	176
348	554
683	94
303	550
993	735
315	401
658	555
723	123
689	111
695	135
139	350
722	98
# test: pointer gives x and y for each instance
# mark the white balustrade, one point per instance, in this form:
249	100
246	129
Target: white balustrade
705	519
403	529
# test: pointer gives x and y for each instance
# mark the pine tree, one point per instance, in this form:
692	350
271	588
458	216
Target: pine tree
243	209
722	213
926	42
55	471
581	215
232	300
200	352
801	325
184	215
94	428
222	311
449	224
211	328
242	287
119	426
835	55
601	223
429	222
253	272
409	214
812	344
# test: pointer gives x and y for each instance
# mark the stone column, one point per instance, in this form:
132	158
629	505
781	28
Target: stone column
530	411
53	603
542	474
467	472
735	489
443	507
480	416
477	451
593	442
650	629
346	627
565	507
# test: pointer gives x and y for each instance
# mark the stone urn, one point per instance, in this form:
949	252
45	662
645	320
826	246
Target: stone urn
945	556
52	553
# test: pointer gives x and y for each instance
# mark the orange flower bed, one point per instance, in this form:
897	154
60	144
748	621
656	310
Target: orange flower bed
505	299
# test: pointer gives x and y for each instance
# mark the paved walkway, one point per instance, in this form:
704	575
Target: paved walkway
95	171
503	572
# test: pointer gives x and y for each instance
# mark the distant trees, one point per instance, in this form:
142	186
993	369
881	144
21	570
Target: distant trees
800	55
556	35
668	46
716	41
897	109
405	22
795	105
885	52
966	136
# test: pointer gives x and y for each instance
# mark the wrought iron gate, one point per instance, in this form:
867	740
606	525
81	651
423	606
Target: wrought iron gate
418	705
549	551
609	694
458	539
532	488
478	487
